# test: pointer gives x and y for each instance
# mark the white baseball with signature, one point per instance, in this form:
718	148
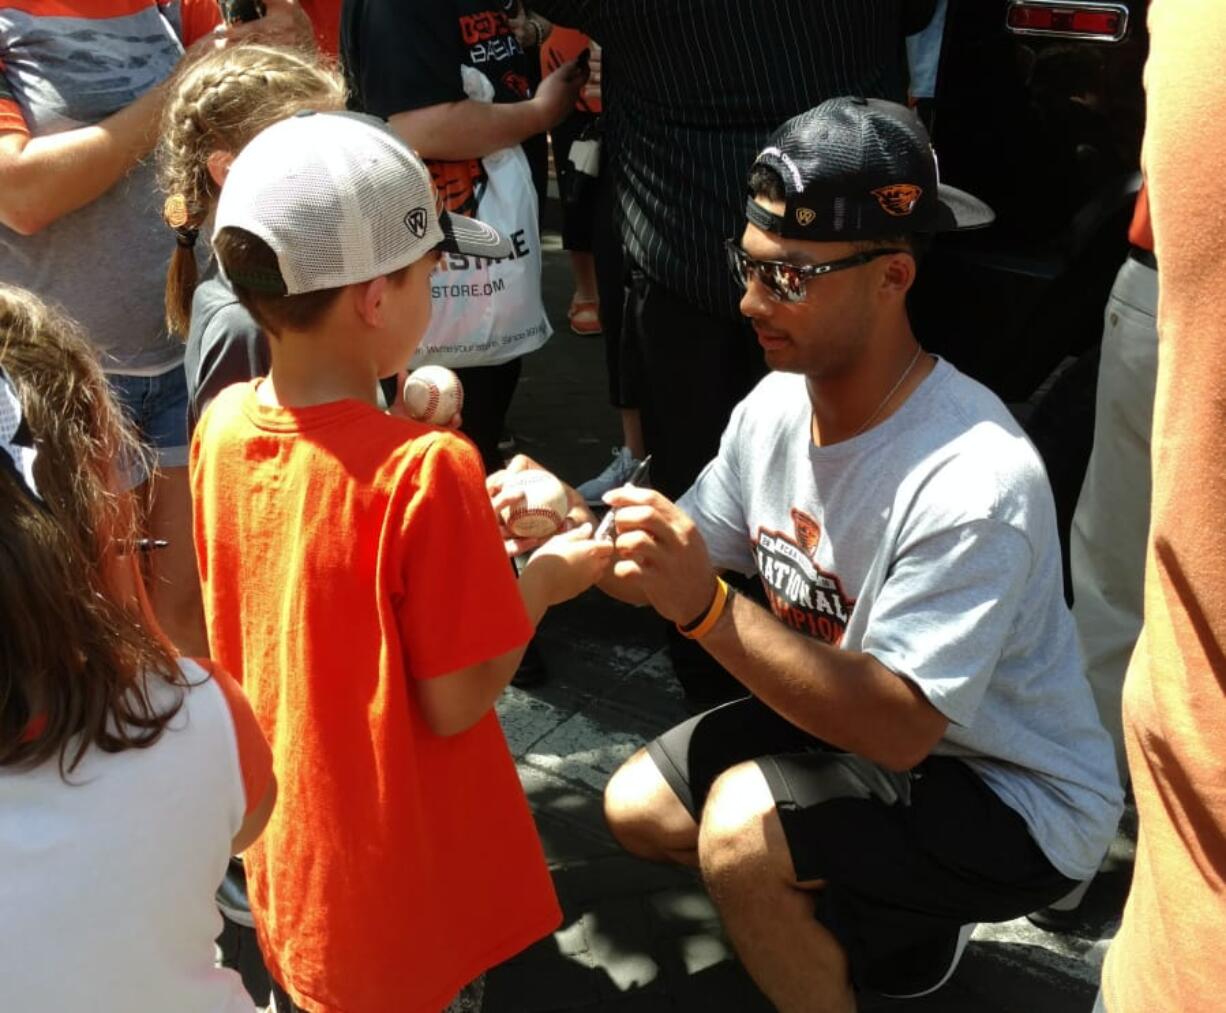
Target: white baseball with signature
542	511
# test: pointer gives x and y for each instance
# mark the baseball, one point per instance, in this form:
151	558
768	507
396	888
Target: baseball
432	394
542	511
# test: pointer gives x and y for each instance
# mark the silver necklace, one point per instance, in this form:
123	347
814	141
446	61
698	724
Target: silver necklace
893	390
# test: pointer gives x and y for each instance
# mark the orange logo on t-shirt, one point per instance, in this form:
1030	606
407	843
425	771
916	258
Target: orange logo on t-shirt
801	594
808	531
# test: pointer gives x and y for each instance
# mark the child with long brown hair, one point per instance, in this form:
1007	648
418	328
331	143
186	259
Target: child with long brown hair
219	104
127	775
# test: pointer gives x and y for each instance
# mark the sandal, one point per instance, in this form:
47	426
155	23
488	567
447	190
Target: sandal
584	317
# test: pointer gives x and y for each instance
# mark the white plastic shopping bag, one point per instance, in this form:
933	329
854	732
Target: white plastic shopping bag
489	311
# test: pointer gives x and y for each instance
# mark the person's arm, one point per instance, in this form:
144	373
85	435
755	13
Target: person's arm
254	762
847	698
42	179
452	131
563	567
464	620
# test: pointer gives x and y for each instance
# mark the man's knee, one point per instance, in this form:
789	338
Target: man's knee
644	814
740	836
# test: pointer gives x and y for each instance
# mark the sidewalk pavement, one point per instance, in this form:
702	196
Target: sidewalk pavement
644	938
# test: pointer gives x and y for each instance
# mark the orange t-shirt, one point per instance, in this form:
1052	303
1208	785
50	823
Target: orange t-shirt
1170	953
346	554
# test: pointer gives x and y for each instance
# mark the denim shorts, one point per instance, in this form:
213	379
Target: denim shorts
157	407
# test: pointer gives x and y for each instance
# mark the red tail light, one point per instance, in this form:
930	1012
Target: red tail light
1097	21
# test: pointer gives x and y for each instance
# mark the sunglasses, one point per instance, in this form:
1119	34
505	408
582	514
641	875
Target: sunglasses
786	282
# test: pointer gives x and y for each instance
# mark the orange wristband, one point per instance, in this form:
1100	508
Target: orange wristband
703	626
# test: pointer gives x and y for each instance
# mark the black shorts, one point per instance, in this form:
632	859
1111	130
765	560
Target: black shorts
908	859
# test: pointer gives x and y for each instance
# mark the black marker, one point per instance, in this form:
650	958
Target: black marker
605	530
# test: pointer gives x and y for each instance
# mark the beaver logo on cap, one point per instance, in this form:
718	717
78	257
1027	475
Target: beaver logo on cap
898	199
805	216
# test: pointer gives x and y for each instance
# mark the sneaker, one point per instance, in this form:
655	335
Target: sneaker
616	474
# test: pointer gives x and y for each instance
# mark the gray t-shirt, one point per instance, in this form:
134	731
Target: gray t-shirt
224	344
105	264
929	542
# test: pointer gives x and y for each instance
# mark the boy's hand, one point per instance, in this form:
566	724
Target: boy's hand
565	566
559	92
578	514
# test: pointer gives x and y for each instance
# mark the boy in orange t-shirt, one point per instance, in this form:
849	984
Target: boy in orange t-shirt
356	582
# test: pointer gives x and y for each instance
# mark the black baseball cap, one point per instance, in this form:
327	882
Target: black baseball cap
857	168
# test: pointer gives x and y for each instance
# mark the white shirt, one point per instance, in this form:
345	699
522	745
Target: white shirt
107	880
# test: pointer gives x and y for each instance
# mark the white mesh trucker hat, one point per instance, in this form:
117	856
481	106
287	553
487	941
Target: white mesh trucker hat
340	199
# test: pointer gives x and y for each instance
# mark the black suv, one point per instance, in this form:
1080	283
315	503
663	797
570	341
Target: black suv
1039	110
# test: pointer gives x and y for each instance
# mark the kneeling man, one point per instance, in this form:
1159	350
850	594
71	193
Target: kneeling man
919	750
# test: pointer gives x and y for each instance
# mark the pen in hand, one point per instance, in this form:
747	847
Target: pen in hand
605	529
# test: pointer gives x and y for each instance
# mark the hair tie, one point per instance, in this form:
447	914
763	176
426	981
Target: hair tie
15	439
186	238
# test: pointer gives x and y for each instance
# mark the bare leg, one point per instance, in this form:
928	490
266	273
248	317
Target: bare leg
173	580
583	268
632	432
768	915
646	818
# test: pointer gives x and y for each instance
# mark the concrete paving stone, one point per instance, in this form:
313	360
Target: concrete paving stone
618	935
1055	954
541	980
526	719
586	749
720	988
618	875
682	910
569	819
654	1003
703	950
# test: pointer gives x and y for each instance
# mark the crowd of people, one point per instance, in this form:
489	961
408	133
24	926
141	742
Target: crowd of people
238	579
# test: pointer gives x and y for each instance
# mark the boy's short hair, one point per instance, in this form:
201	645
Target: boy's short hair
321	201
245	255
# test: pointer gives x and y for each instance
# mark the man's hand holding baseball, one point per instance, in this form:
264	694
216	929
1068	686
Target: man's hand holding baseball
661	553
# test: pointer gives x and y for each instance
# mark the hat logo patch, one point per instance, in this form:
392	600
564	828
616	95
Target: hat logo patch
806	216
898	199
417	221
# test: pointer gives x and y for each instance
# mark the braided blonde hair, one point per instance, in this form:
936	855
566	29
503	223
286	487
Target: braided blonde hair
219	103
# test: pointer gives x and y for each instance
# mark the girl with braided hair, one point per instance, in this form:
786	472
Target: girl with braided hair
219	104
128	775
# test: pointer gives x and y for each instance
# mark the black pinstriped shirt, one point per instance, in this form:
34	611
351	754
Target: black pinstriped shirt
693	89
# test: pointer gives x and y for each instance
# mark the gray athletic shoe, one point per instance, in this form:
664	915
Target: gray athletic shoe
616	474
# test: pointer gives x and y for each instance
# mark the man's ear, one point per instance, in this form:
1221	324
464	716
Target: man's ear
899	275
219	163
368	301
